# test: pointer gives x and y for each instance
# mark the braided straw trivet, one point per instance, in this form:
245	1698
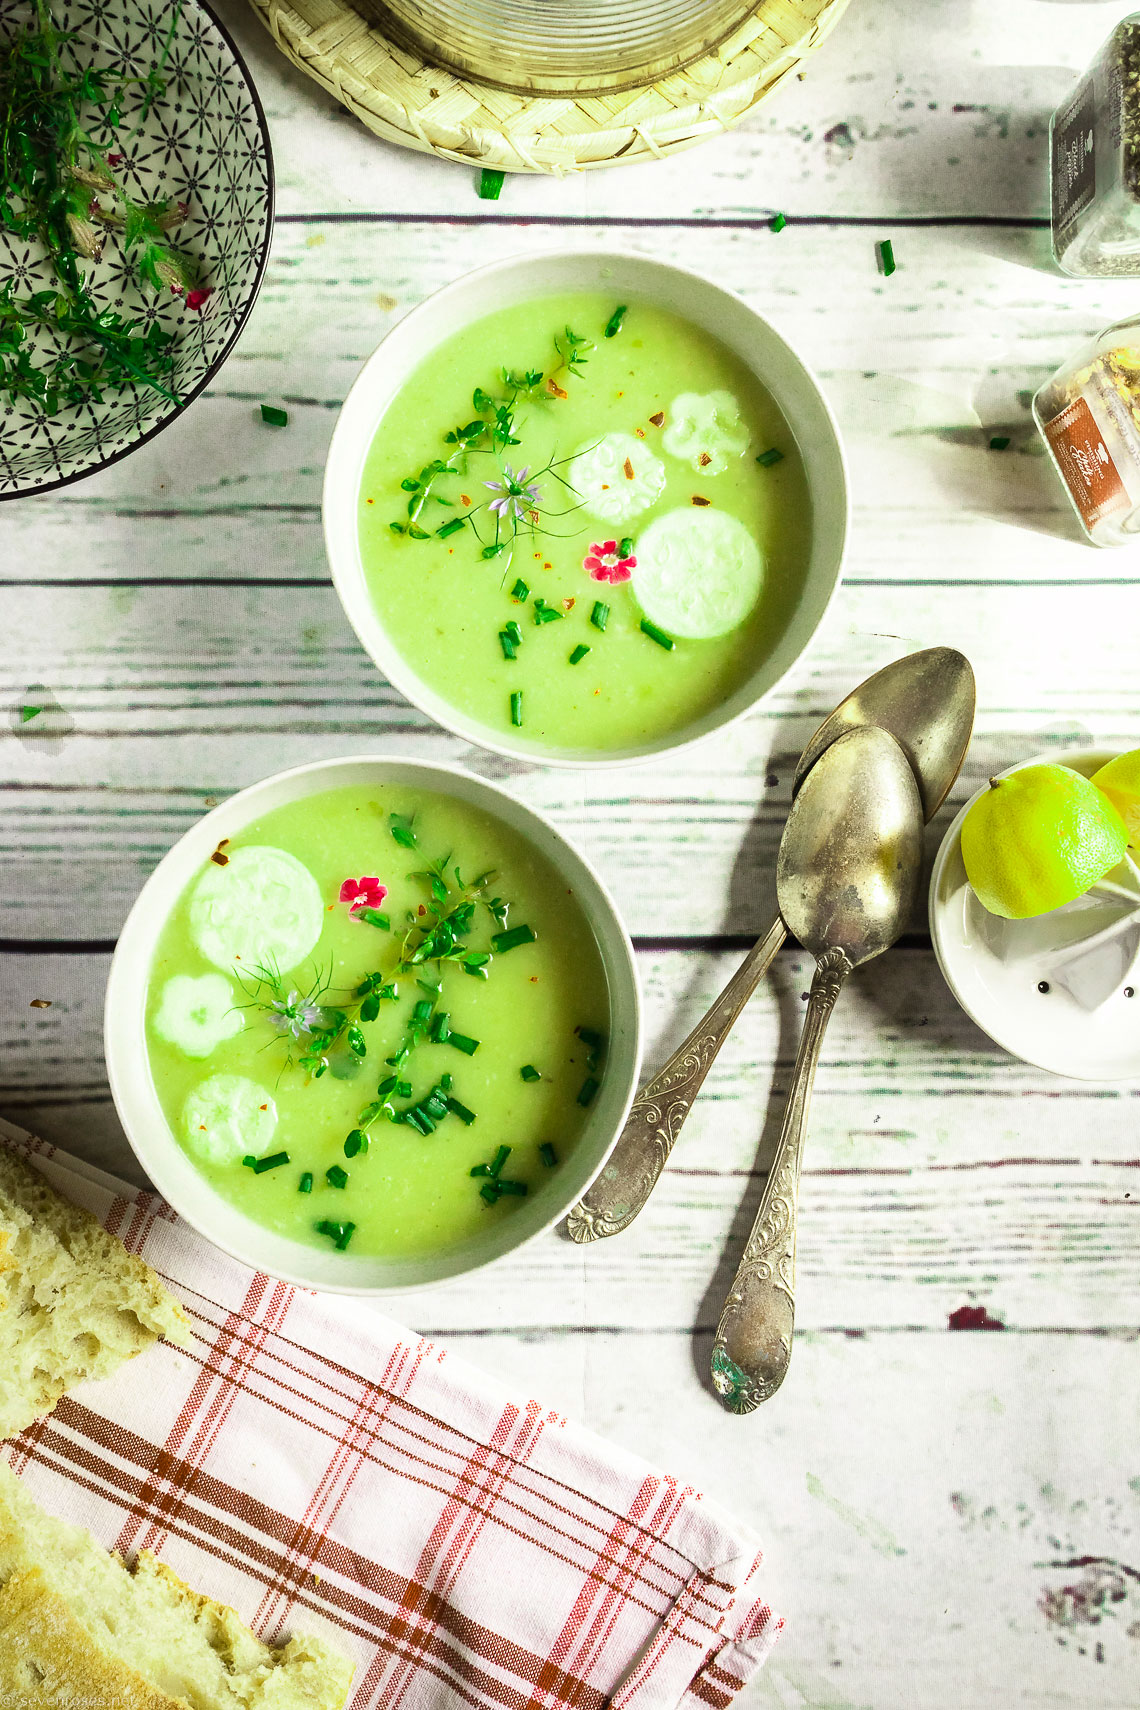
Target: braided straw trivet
404	100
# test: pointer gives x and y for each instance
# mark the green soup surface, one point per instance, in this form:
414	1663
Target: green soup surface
381	1052
647	472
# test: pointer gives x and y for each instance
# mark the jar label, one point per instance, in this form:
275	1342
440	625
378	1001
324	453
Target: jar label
1074	156
1083	458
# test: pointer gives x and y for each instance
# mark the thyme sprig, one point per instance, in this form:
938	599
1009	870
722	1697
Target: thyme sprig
59	190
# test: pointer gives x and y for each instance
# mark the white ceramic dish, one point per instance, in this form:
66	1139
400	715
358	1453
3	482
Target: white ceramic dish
518	279
174	1173
1085	1025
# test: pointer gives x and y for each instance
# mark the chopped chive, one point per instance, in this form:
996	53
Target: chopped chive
490	183
520	591
339	1233
512	629
387	1085
511	1187
588	1089
461	1111
421	1011
548	1155
657	635
886	253
439	1028
999	442
600	616
499	1160
260	1165
273	416
508	645
579	653
345	1236
544	613
338	1178
777	222
305	1185
512	939
529	1072
480	1170
767	458
463	1043
491	1192
357	1142
445	1082
451	526
625	545
516	709
403	1089
373	917
588	1037
613	325
434	1106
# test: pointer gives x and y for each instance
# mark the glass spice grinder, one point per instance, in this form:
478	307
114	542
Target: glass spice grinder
561	47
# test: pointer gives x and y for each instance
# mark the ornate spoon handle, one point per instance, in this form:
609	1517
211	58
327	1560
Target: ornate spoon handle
754	1337
660	1109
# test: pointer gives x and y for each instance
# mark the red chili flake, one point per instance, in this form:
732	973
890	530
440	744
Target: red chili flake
263	1107
704	460
658	419
421	909
697	500
370	501
568	605
554	388
546	564
40	1003
534	979
628	467
219	859
464	498
199	297
640	432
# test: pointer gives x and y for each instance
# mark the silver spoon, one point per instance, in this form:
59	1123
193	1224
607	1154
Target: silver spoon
926	701
846	879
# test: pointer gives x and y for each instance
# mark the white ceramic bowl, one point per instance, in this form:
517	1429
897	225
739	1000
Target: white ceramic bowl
171	1169
518	279
1086	1028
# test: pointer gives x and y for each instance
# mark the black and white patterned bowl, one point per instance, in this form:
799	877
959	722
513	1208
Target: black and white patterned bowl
203	141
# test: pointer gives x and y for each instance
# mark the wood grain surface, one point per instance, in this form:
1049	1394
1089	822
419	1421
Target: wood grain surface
952	1516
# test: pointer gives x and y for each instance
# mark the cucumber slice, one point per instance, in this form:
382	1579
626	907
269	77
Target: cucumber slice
262	909
598	475
699	572
228	1117
706	429
196	1013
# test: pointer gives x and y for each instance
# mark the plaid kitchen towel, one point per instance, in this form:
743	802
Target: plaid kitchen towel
320	1468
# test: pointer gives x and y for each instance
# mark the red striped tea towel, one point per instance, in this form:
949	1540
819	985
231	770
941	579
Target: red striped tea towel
319	1468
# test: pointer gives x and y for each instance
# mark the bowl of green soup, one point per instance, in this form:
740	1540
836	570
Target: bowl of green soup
584	509
372	1023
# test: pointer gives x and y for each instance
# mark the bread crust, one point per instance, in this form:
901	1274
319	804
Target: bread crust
48	1662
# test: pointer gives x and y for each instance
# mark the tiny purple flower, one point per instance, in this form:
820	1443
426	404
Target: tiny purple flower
295	1015
512	489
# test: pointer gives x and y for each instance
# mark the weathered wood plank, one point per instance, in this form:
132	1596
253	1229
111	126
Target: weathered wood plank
939	1172
940	108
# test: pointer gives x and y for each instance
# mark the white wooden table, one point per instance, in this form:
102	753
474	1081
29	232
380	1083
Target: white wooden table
951	1518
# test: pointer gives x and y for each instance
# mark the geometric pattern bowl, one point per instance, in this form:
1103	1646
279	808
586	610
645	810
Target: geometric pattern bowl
204	141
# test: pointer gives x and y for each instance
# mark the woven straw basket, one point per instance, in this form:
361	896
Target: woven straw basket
424	107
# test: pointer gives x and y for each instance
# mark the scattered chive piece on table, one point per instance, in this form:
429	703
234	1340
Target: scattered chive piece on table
657	635
529	1072
516	709
548	1155
767	458
613	325
273	1162
461	1111
462	1042
273	416
338	1178
508	645
521	590
511	940
588	1089
29	713
886	253
777	222
305	1185
600	616
451	526
490	183
579	653
999	442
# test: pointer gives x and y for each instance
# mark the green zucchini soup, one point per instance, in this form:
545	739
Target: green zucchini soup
376	1018
584	521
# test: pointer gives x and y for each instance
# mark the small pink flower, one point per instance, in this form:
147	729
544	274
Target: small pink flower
606	562
199	297
362	893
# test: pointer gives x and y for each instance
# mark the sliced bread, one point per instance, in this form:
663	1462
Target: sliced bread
77	1627
73	1302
